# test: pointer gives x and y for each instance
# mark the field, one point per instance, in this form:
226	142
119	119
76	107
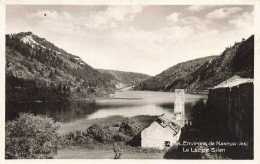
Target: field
82	153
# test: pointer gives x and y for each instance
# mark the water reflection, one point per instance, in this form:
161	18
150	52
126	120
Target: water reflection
127	103
60	111
151	110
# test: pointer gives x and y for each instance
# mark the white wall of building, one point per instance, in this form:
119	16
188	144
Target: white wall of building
155	136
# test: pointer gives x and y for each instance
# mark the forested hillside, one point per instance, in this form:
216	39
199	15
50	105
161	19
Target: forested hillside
37	70
235	60
174	77
123	79
204	73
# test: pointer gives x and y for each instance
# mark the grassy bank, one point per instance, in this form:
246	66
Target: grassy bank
112	121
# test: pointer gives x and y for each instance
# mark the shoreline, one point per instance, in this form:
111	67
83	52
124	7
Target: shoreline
97	98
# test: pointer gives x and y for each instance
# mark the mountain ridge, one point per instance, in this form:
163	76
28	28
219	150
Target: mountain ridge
205	73
37	70
124	78
172	77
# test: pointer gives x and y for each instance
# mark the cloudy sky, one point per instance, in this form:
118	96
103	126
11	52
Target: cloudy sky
145	39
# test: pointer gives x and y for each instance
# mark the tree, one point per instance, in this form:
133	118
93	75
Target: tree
60	88
64	88
100	133
31	137
7	64
130	127
30	68
78	90
42	72
51	74
68	91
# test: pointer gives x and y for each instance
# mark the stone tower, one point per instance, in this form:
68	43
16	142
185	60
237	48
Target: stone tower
179	106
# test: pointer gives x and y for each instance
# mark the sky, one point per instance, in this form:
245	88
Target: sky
145	39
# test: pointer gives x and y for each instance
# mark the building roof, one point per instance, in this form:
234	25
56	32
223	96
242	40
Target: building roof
165	121
233	81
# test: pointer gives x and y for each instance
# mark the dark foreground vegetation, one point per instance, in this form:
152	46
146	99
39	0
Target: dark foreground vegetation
208	127
30	136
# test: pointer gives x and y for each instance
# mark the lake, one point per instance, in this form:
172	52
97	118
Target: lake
125	103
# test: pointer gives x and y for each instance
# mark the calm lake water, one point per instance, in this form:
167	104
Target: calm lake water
125	103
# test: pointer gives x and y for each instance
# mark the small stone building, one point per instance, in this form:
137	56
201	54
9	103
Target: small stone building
162	133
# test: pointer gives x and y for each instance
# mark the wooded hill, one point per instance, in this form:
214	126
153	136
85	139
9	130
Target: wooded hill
204	73
123	79
37	70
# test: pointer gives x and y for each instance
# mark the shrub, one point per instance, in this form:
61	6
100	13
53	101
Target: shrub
118	152
80	136
117	124
69	136
100	133
75	139
120	137
30	136
130	127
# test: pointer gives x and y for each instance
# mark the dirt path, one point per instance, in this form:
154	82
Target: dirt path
103	154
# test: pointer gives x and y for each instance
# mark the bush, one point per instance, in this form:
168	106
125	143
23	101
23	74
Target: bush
100	133
80	136
117	124
69	136
75	139
120	137
118	152
130	127
30	136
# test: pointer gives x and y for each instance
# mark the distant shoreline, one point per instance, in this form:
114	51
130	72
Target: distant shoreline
97	98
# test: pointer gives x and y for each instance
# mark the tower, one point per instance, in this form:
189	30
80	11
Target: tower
179	106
